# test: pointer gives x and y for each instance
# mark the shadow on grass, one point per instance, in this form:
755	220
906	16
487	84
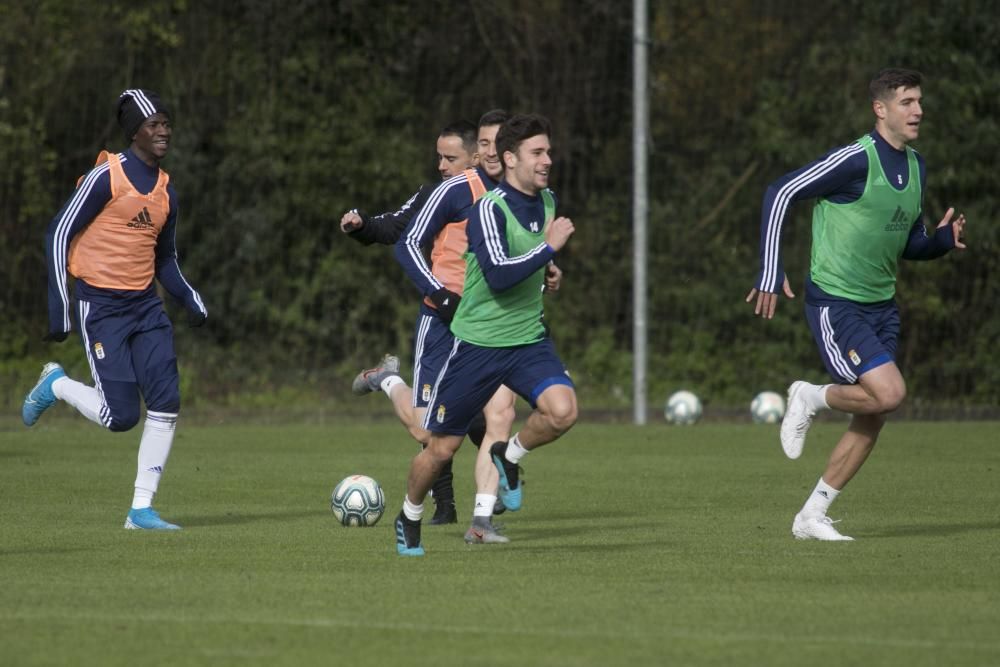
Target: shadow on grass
42	551
936	529
581	513
523	544
236	518
16	454
556	535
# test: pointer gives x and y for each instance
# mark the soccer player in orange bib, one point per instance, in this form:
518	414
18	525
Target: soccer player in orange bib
114	235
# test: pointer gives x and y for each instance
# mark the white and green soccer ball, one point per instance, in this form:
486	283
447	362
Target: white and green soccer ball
358	501
683	407
767	407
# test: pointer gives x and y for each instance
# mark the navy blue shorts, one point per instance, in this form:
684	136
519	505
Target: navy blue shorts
433	341
130	347
853	338
472	374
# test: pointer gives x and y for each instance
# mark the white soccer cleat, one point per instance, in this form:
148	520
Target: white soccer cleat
817	528
798	419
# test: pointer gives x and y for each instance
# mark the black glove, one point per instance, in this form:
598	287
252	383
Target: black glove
55	336
196	318
446	303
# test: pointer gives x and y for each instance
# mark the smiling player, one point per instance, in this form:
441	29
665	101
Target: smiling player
500	339
869	213
114	236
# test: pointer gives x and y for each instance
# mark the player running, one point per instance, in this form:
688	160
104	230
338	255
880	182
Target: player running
869	213
114	236
500	339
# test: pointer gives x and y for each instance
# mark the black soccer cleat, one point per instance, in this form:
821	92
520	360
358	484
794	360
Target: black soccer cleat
408	537
444	514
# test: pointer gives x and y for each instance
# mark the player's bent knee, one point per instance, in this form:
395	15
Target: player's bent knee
890	400
421	435
443	449
123	421
557	405
890	396
121	411
562	415
567	420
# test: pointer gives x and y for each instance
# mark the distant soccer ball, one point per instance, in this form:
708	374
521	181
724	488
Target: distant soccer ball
683	407
767	407
358	501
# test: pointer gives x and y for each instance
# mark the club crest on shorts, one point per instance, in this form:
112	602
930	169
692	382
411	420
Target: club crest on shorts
425	394
854	357
440	415
98	350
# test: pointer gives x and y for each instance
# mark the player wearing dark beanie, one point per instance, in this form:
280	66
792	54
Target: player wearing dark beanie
135	106
114	243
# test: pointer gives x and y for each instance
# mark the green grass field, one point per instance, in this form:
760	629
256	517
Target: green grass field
640	546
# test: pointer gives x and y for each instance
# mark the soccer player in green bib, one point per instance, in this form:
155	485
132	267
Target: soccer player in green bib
500	339
868	215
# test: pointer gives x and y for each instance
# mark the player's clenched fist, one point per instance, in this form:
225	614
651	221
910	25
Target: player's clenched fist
558	232
351	221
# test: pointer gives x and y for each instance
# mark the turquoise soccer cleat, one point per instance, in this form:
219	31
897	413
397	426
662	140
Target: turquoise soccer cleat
41	398
510	488
147	519
408	537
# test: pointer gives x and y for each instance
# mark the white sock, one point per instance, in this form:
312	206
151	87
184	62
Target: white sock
819	500
142	498
389	382
815	396
484	505
86	400
154	448
412	511
515	452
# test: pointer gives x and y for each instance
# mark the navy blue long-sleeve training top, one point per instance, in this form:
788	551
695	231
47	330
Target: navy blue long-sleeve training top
840	176
451	201
488	237
91	196
386	228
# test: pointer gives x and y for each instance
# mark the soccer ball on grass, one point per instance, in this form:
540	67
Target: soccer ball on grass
683	407
767	407
358	501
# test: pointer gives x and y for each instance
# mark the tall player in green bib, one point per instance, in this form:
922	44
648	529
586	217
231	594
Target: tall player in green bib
499	335
869	214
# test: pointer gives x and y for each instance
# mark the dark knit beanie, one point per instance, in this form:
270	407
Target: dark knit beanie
135	106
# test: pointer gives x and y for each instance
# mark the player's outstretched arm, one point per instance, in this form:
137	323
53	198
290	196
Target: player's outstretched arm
767	302
384	228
